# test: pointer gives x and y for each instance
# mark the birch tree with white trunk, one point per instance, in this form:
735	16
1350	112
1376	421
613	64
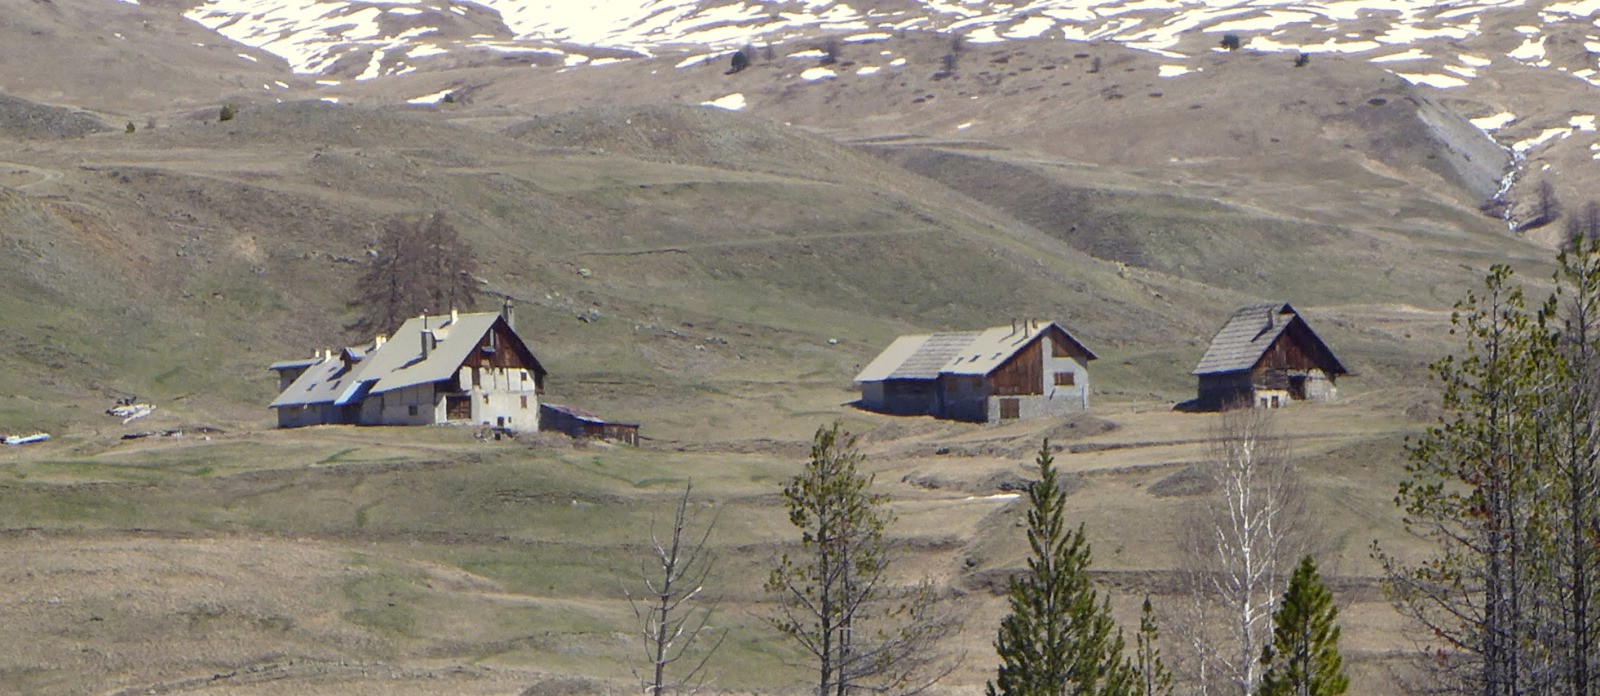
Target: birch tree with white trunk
1246	540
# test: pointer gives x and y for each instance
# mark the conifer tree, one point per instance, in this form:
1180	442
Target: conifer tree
1303	657
833	597
1154	679
1059	637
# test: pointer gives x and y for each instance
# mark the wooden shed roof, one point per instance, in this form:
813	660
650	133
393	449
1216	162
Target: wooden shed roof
1250	333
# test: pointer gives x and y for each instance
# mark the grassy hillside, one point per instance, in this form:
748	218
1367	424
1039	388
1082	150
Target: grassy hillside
718	277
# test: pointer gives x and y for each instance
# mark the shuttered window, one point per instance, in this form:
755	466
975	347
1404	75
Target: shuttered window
1010	409
1066	379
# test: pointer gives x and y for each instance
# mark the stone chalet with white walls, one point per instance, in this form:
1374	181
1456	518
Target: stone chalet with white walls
1005	373
470	369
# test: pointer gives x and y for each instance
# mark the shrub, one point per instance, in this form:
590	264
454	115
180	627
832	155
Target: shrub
1302	60
1231	42
226	114
130	129
741	60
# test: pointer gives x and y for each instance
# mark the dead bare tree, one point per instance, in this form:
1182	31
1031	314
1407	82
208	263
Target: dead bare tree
672	612
1245	539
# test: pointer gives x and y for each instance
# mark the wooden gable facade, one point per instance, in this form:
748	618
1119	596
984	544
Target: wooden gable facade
1266	356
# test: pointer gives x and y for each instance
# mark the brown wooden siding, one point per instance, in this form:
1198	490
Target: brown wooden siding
1062	345
498	349
1295	349
1022	374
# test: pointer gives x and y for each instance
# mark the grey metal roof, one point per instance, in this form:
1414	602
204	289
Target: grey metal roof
321	383
1247	335
293	364
930	359
927	356
892	357
399	364
396	364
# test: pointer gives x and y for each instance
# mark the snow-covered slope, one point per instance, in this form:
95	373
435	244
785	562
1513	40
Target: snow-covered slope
394	35
1524	71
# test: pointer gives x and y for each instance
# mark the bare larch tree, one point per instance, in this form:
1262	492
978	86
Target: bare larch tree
417	266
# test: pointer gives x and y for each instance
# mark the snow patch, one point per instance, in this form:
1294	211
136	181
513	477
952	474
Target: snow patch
434	98
1413	54
867	70
1531	50
692	60
1438	81
731	102
1548	135
818	73
897	62
1030	28
1495	122
1582	122
1175	70
997	496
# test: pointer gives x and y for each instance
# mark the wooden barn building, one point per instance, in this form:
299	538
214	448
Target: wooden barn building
581	424
1004	373
451	368
1266	356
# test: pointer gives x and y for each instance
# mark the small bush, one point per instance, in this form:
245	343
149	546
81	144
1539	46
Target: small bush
226	114
130	129
1231	42
1302	60
740	61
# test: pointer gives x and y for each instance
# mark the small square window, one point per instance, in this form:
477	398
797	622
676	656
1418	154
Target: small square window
1066	379
411	410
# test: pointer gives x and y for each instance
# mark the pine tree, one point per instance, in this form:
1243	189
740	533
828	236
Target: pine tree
1059	637
1475	487
1154	679
1303	657
833	597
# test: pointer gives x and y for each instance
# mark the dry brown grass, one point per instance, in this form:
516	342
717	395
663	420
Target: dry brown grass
374	560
